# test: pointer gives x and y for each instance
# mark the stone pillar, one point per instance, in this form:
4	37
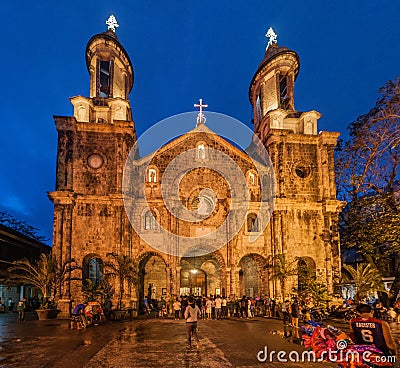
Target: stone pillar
328	260
178	280
169	281
65	306
228	281
234	281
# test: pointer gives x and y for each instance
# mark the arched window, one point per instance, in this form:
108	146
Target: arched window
92	269
201	151
259	107
252	223
152	177
251	178
150	222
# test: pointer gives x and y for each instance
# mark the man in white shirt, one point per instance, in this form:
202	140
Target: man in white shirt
192	312
218	305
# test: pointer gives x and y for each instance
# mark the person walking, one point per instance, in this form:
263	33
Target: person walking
192	312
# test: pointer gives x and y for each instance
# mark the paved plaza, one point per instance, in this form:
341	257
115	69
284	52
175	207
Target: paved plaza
145	343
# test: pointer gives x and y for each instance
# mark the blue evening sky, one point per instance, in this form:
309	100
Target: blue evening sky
181	51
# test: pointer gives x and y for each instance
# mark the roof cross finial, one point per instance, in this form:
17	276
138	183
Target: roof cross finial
272	37
112	23
201	119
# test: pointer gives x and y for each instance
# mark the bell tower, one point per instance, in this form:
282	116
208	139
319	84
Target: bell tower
111	80
303	161
271	93
93	145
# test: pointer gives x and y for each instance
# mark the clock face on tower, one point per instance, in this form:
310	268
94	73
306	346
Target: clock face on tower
95	161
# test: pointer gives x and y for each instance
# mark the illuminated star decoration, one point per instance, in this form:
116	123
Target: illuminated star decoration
272	37
112	23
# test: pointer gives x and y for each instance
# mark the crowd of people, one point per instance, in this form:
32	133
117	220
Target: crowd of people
219	307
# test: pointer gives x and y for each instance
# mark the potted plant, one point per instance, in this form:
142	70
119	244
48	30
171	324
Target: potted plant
41	275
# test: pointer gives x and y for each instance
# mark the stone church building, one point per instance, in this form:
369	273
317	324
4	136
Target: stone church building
91	219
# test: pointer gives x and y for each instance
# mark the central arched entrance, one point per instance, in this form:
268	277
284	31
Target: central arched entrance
193	282
201	275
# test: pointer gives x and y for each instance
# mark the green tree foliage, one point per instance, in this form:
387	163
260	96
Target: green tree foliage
317	292
121	268
367	279
96	292
282	269
367	171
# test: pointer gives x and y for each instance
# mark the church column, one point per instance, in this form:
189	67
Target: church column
58	239
331	164
228	281
64	303
169	280
234	277
290	89
178	280
326	238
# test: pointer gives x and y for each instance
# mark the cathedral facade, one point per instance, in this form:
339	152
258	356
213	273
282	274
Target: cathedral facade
92	218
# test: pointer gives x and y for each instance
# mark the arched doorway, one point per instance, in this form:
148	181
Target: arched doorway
201	276
248	279
152	278
193	282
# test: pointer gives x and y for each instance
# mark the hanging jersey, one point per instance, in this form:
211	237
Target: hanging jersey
369	331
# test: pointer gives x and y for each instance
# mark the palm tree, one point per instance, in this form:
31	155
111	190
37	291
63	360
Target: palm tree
41	274
123	269
317	292
282	270
367	279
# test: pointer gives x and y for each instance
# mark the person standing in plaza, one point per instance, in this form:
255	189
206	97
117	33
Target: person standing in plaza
218	306
21	309
285	312
192	312
177	308
10	304
295	313
208	308
224	309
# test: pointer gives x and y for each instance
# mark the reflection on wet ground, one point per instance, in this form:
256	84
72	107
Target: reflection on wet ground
146	343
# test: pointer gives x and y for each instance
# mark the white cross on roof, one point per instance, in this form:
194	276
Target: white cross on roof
201	119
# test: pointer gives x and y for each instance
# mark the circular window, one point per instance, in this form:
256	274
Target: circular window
95	161
302	170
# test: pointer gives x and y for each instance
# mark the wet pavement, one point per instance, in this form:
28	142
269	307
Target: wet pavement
147	343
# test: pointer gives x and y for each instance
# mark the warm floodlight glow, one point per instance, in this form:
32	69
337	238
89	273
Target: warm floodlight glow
112	23
193	271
